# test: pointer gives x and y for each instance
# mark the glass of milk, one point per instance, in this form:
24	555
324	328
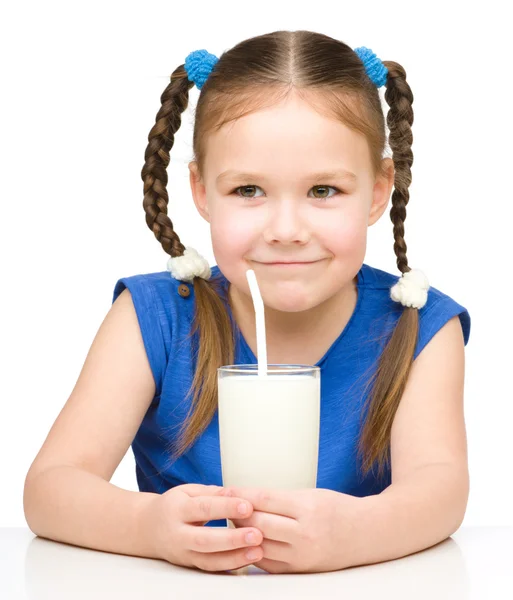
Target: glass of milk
269	426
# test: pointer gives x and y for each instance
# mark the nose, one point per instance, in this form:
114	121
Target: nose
286	223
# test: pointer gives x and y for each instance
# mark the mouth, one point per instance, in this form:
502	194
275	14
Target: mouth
290	264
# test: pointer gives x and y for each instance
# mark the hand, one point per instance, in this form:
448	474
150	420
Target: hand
306	530
174	525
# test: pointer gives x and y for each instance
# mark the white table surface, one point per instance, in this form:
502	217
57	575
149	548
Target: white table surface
474	563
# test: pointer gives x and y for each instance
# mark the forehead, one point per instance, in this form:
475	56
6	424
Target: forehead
287	139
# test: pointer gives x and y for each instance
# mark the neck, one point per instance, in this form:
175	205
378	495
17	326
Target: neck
307	333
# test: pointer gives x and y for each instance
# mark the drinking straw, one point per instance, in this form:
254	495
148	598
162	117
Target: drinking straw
258	304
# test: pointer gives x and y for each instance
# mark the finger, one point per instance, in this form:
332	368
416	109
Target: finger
197	489
220	539
226	561
273	527
280	502
209	508
274	566
277	551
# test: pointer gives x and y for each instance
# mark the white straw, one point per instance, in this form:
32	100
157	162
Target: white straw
258	304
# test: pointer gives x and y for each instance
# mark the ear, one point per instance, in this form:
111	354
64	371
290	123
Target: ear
381	192
198	191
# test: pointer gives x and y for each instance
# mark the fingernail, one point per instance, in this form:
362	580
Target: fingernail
250	538
252	554
242	508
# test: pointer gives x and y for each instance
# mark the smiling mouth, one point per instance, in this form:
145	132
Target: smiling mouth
290	264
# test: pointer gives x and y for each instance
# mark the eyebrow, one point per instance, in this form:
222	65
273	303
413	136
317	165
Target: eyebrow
338	174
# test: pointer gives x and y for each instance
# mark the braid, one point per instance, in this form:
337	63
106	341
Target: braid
215	343
389	380
400	118
175	99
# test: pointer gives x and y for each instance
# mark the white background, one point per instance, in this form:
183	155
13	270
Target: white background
82	84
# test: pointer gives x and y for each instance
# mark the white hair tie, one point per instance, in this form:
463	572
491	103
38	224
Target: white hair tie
411	289
188	266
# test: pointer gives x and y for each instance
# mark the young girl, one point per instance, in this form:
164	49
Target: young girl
288	142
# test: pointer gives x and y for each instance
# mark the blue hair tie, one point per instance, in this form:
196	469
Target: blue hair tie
199	65
376	70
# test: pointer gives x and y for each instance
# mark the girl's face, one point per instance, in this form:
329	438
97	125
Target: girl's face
265	202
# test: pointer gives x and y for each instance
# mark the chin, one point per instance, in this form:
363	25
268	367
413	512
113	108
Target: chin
289	302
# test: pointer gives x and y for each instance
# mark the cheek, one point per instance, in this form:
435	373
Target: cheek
344	232
232	234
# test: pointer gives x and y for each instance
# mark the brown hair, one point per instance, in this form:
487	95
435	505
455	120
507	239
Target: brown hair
252	75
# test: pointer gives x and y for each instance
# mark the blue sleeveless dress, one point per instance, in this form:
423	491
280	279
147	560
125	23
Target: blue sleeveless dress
165	319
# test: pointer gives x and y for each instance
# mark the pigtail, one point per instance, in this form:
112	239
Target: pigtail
175	99
211	321
397	357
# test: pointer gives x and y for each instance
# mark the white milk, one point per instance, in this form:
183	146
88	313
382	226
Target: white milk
269	430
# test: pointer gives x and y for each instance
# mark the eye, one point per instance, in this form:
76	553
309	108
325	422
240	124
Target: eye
326	187
322	187
245	187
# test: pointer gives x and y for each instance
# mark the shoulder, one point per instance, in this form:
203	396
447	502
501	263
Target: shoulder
157	283
439	309
162	314
157	300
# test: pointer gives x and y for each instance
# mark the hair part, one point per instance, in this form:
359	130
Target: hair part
254	74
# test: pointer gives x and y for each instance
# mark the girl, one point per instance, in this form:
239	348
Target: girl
288	142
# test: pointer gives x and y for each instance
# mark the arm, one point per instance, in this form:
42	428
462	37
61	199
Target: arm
428	497
71	505
411	515
68	496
